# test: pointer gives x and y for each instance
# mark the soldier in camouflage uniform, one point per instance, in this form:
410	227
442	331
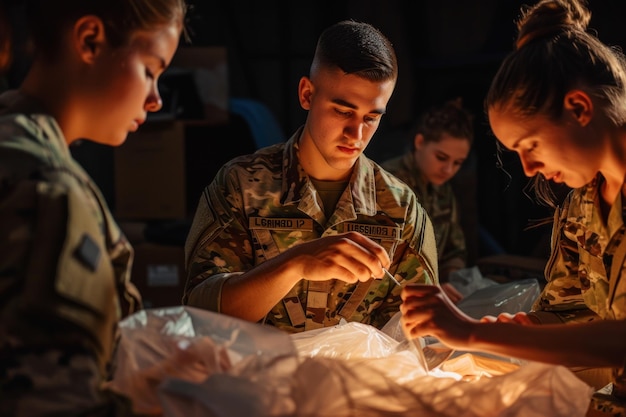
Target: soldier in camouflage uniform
440	143
64	263
582	283
297	235
567	122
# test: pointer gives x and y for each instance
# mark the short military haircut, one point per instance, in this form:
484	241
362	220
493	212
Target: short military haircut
356	48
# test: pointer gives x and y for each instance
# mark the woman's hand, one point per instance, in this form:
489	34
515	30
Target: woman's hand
426	310
519	318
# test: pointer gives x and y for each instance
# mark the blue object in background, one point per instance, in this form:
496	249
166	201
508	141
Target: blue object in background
263	124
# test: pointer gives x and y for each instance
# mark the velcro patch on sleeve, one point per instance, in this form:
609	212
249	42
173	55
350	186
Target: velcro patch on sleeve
88	252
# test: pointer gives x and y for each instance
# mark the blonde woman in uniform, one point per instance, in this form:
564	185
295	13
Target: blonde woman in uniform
64	264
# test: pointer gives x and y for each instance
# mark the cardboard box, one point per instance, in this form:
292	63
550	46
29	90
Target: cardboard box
162	169
159	274
150	180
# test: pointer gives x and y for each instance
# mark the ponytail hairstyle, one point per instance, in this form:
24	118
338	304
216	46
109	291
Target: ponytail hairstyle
555	53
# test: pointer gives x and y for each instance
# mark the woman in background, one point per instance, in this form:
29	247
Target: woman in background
64	264
440	143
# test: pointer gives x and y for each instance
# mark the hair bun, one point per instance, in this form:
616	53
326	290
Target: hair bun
550	17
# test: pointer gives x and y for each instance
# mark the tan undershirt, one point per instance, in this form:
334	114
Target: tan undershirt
330	193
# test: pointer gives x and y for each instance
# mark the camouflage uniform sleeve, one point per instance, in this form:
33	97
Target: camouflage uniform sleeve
562	292
428	251
455	250
415	261
418	261
218	245
60	308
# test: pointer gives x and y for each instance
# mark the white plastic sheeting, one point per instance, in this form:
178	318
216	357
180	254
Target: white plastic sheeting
182	361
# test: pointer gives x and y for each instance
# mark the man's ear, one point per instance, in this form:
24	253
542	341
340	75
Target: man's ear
580	105
88	37
305	92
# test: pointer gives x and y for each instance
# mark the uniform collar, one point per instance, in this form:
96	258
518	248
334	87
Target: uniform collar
16	102
296	184
417	180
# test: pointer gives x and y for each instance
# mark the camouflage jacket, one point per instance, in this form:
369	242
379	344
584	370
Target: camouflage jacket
440	204
586	267
64	269
259	205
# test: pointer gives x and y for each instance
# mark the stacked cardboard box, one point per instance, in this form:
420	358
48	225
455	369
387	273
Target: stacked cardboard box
159	274
161	170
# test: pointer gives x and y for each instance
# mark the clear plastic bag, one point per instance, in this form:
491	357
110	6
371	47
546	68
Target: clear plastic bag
190	347
185	362
510	297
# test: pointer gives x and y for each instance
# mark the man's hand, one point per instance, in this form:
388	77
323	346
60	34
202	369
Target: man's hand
350	257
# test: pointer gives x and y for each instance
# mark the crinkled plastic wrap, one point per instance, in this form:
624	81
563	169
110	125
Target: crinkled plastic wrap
483	296
185	362
221	357
509	297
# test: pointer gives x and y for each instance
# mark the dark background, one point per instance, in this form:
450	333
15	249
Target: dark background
445	49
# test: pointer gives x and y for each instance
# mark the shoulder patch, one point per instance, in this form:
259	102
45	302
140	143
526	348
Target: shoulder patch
88	253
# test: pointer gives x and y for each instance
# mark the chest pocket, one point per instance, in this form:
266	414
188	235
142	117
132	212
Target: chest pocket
389	245
386	236
273	235
593	281
617	287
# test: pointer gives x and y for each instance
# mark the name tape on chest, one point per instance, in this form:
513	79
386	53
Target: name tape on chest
280	223
374	230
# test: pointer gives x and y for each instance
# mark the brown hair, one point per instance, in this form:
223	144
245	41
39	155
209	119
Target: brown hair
555	53
450	118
